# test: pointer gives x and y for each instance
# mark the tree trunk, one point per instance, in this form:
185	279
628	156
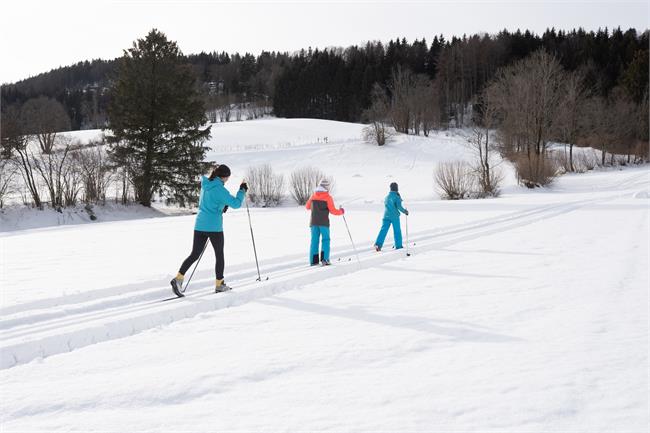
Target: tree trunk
145	193
28	176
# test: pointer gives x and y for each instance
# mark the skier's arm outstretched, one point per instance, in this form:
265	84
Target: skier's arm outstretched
236	202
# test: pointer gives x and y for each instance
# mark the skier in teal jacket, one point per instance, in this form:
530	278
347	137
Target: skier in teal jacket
393	207
213	203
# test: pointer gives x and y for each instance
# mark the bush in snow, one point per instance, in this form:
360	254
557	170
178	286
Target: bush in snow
95	173
562	161
303	182
535	170
488	181
265	187
377	133
585	161
454	180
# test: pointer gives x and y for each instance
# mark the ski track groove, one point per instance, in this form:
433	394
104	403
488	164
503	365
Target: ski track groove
41	334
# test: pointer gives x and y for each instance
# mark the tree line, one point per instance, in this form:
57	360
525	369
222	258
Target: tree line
577	87
337	83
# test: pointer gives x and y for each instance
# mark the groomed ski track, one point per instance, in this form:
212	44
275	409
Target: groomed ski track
47	327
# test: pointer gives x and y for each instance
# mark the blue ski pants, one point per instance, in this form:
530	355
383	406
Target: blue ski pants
397	232
319	233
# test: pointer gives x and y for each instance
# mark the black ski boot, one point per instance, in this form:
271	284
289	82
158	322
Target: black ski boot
323	261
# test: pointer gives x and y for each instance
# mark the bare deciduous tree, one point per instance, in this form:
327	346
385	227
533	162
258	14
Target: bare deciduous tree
487	177
55	171
642	127
225	108
7	173
378	131
15	146
401	89
123	193
43	118
419	101
430	114
611	124
303	182
569	123
265	187
96	173
627	127
527	97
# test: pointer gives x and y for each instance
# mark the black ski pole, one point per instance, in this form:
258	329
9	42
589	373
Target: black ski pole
197	264
350	234
250	225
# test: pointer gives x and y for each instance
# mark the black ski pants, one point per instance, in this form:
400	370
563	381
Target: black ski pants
200	240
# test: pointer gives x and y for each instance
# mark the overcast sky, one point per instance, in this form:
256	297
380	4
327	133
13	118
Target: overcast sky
37	36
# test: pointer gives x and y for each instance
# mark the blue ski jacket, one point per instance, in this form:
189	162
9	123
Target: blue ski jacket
393	204
214	197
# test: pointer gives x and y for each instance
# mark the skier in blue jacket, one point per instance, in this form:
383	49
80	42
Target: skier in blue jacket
393	207
213	203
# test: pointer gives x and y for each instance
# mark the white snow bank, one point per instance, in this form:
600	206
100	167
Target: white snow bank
15	218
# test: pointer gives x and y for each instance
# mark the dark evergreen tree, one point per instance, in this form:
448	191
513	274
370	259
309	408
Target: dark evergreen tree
635	78
157	119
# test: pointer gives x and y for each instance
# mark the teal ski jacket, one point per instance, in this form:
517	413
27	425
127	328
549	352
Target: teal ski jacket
393	204
214	198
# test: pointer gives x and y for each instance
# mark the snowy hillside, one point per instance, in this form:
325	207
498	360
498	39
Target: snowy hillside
361	171
522	313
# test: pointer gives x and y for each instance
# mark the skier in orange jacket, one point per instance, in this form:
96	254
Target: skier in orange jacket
321	205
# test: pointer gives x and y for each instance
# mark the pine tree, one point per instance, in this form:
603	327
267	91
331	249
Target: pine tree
157	119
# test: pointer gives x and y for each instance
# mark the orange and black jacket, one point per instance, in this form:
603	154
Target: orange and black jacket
321	205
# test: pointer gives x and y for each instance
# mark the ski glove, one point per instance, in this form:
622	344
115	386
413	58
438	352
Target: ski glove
342	211
225	209
244	186
406	212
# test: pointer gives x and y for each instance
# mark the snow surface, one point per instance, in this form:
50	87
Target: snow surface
14	218
525	313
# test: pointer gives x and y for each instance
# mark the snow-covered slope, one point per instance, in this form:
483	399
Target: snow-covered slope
361	171
522	313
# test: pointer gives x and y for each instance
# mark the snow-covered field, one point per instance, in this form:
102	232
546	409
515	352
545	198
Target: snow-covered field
361	171
526	313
